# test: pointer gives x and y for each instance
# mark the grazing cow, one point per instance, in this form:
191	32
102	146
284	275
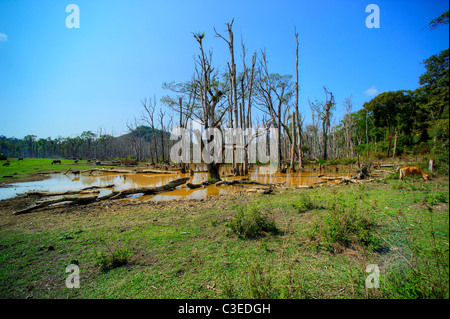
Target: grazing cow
56	162
20	159
6	164
75	161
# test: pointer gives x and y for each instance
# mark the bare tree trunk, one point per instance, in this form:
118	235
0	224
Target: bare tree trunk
395	144
161	121
297	113
367	135
293	143
232	70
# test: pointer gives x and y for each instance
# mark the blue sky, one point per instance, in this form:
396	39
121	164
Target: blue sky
56	81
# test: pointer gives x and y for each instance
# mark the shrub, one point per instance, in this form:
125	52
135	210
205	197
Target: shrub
110	259
303	204
343	226
249	222
261	283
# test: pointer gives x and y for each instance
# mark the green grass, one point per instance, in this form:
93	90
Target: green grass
31	166
324	239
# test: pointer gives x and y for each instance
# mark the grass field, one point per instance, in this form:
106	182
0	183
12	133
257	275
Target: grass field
17	170
309	243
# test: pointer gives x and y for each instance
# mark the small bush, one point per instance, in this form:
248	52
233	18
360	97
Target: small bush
342	226
260	283
249	222
436	198
108	260
303	204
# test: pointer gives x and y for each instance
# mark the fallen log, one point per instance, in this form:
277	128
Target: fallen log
145	190
240	181
49	194
74	200
129	171
332	178
96	187
194	186
304	186
260	190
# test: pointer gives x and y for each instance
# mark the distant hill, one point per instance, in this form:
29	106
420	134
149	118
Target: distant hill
146	133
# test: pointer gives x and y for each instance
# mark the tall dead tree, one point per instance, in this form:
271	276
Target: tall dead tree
161	123
324	111
232	71
297	113
348	125
293	144
274	92
329	104
148	116
210	96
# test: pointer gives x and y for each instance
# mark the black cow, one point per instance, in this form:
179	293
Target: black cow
6	164
56	162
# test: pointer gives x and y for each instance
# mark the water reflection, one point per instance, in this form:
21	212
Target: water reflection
59	182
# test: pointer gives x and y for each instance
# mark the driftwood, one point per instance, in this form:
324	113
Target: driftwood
194	186
363	173
240	181
145	190
345	180
260	190
304	186
73	198
129	171
96	187
49	194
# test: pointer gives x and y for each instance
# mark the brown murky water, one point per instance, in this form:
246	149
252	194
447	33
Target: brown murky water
60	182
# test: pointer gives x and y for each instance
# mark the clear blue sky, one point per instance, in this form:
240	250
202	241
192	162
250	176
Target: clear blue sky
56	81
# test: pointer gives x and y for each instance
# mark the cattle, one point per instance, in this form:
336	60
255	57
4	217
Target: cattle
6	164
56	162
20	159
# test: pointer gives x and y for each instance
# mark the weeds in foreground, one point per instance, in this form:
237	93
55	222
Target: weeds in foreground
110	259
427	271
304	203
250	222
342	226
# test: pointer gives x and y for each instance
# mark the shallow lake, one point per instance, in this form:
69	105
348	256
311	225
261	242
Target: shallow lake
61	182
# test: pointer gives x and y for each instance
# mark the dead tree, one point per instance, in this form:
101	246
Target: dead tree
210	95
232	72
297	113
148	117
274	92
